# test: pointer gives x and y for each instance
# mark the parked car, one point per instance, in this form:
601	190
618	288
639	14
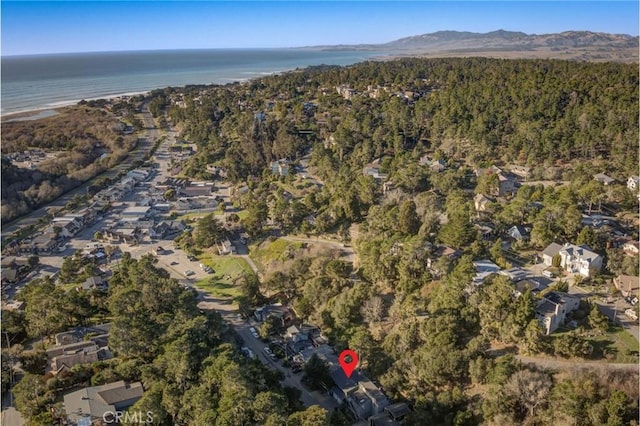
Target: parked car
548	274
248	352
192	258
254	332
270	353
189	273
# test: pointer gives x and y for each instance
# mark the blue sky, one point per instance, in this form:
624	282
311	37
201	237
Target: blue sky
80	26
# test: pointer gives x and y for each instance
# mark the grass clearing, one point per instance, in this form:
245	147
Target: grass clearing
217	288
274	251
620	343
227	270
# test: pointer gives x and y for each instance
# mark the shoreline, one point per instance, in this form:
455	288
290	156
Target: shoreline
24	115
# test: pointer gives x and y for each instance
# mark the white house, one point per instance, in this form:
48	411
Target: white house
580	259
549	253
552	310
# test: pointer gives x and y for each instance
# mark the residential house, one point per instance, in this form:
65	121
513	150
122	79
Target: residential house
484	268
552	310
345	91
628	285
485	229
200	190
435	165
66	226
120	234
280	167
446	252
9	275
633	183
276	310
13	268
195	203
225	247
604	179
507	184
528	283
631	248
519	232
515	274
44	243
76	354
136	212
95	282
235	192
549	253
97	333
363	398
374	169
580	259
96	403
138	174
481	202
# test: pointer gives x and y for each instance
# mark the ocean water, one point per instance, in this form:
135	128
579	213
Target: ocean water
49	81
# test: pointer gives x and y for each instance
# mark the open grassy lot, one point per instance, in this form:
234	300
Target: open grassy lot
227	269
278	250
618	342
217	288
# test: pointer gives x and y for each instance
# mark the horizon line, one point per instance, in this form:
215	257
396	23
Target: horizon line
315	46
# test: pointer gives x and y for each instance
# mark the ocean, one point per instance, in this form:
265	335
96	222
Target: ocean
48	81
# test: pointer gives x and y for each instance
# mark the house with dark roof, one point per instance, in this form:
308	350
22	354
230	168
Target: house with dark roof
95	282
520	232
98	403
552	310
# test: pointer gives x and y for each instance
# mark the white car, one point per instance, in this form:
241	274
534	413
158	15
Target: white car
254	332
270	353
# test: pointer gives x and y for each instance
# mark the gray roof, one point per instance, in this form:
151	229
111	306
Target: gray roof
583	251
546	307
94	402
552	249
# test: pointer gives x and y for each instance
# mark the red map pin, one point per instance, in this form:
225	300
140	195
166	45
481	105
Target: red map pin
348	360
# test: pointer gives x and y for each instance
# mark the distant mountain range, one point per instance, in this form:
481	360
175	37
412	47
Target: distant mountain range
581	45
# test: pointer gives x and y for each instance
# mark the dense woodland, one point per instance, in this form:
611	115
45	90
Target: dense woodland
77	138
421	334
187	360
452	354
537	113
